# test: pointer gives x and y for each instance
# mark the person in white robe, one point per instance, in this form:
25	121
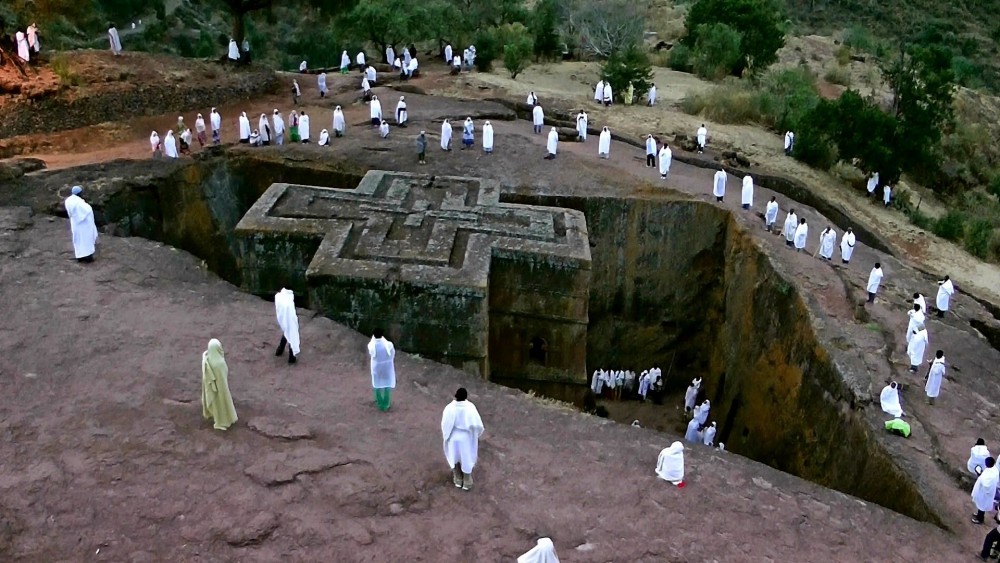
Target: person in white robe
670	464
366	88
665	157
22	46
872	184
916	347
747	195
383	129
644	385
264	126
254	139
371	75
321	84
406	60
360	60
935	375
33	43
886	195
719	184
447	53
114	40
244	128
827	242
650	151
279	127
456	65
608	94
488	137
599	92
874	280
234	50
339	123
702	137
461	427
918	299
468	133
288	322
701	412
543	552
604	143
651	96
537	118
81	226
296	92
977	457
216	122
985	490
170	145
324	138
199	128
771	214
693	431
945	290
552	144
791	222
709	438
390	55
375	111
302	66
889	399
789	142
345	63
412	68
581	126
446	132
304	127
383	369
532	99
186	141
598	383
154	143
691	395
401	115
917	318
847	246
397	66
801	235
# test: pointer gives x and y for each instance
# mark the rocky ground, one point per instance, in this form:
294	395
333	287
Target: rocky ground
105	456
103	364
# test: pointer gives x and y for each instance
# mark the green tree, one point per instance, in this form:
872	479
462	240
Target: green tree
630	65
760	23
386	22
517	46
543	27
717	51
487	48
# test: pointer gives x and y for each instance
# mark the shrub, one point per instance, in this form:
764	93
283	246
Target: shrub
795	95
487	49
977	238
717	51
994	187
921	220
951	226
61	67
517	47
630	65
901	200
680	58
780	100
761	23
843	55
860	39
812	148
838	75
967	73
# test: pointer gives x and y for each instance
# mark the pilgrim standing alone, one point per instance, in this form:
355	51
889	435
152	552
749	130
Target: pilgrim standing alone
383	355
461	427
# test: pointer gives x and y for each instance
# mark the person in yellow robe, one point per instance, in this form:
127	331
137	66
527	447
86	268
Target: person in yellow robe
216	401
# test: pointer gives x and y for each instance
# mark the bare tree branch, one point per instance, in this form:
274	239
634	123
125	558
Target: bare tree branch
604	26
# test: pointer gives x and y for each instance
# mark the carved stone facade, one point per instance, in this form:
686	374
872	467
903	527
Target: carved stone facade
446	269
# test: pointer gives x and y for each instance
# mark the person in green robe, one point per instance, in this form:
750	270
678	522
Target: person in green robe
898	426
629	94
216	401
293	126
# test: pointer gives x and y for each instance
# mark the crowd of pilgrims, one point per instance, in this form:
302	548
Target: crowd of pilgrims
610	384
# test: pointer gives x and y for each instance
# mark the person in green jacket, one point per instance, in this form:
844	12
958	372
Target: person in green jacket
898	426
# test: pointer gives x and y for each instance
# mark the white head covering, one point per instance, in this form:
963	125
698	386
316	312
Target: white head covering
670	464
543	552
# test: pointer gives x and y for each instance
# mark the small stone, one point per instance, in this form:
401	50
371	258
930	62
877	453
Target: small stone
762	483
31	375
585	547
395	509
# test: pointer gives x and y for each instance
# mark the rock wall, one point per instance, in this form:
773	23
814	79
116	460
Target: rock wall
677	282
